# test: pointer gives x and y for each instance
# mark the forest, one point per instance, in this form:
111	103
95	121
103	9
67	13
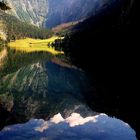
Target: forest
17	29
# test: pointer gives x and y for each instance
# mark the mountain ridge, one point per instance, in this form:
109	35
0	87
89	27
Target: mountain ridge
51	13
30	11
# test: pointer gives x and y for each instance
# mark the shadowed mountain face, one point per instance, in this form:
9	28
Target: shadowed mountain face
63	11
114	65
50	13
41	90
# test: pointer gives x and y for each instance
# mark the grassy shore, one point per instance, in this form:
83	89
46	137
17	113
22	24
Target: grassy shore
35	45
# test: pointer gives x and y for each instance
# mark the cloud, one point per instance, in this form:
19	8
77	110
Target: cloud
75	127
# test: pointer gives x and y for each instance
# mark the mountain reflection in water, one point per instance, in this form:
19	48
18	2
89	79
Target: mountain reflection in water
32	86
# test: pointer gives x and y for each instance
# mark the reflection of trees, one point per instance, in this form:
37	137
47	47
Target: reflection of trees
57	44
13	60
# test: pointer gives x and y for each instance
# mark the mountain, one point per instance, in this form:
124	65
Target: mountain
50	13
12	28
63	11
107	37
30	11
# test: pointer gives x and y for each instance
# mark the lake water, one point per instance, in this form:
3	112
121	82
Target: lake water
33	88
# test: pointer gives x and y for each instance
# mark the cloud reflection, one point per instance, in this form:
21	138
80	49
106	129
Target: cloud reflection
75	127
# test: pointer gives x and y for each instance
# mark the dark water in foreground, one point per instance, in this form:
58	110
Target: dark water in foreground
100	127
32	86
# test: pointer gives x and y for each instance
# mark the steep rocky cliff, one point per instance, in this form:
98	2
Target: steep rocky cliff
50	13
31	11
63	11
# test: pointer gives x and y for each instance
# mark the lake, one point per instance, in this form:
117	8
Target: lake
43	97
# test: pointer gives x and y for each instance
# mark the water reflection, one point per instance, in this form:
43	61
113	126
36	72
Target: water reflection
32	86
99	127
17	59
